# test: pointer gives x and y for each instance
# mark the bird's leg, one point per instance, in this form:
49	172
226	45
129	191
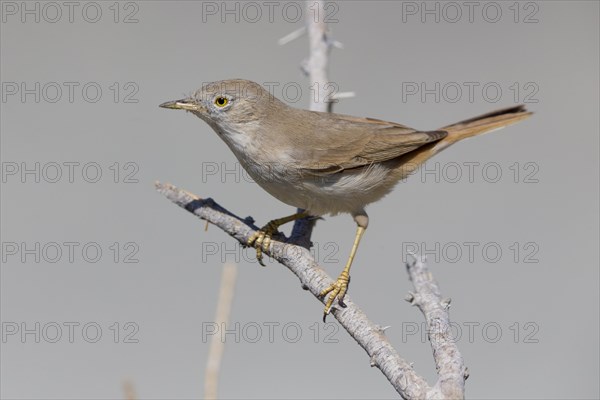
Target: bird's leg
261	239
339	288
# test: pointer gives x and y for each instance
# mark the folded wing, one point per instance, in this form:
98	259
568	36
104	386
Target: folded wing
357	142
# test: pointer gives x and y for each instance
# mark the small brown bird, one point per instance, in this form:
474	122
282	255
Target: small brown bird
322	163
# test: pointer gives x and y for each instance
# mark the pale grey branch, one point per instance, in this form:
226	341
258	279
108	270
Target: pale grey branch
449	363
298	259
316	69
448	360
316	66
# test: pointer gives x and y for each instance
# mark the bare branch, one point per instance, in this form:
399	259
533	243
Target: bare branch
298	259
448	360
371	337
316	66
316	69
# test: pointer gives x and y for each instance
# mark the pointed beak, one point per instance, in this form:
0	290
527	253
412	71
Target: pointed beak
185	104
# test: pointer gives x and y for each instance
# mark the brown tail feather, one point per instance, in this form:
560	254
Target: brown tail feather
461	130
484	123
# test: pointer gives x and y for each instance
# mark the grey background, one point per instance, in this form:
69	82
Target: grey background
171	292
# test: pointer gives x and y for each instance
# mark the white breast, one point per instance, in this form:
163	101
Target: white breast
344	192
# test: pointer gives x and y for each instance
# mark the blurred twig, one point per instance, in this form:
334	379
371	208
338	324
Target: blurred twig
129	390
215	352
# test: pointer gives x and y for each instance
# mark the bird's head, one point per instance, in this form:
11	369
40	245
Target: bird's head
229	106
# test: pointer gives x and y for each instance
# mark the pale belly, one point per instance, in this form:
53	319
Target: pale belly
343	192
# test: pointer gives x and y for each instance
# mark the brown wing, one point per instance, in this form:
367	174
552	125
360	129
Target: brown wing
352	142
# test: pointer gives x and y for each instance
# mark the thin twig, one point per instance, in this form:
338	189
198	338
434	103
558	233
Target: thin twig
292	36
215	352
129	390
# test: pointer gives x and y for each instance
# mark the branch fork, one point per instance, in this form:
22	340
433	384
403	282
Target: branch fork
370	336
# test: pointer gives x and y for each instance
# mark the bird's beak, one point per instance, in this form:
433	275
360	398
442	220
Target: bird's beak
185	104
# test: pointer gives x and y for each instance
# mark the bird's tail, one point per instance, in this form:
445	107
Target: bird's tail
484	123
461	130
468	128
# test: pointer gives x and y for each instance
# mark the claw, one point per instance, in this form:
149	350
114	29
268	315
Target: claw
256	241
259	257
261	240
266	242
259	248
342	293
336	290
326	312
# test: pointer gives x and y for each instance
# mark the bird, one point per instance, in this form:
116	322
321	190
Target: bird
322	163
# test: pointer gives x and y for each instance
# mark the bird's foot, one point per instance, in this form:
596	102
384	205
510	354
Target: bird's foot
337	290
261	239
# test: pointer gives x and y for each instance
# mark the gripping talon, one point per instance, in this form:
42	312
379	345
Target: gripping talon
259	257
259	247
261	239
266	243
326	311
336	290
256	241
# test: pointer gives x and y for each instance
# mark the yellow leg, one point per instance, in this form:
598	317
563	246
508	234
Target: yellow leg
261	239
340	286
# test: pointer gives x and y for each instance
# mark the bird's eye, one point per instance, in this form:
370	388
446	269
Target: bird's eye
221	101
